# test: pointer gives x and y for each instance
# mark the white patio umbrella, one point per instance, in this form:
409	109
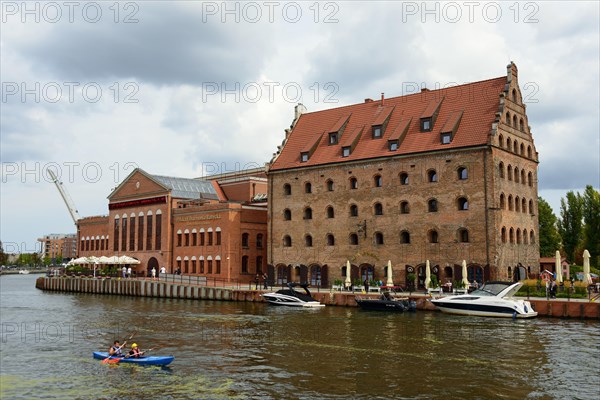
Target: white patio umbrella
91	260
104	260
348	281
558	268
587	278
427	274
128	260
112	260
465	278
390	281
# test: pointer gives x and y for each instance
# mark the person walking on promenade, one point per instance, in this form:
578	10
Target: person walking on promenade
153	273
265	281
129	272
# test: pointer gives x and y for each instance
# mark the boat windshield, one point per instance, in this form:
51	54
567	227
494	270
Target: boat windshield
490	289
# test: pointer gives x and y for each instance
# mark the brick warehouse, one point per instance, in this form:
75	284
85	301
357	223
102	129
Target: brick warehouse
443	175
213	226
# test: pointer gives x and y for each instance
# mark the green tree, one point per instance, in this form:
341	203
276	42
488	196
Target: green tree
3	255
570	225
591	219
59	259
549	237
47	261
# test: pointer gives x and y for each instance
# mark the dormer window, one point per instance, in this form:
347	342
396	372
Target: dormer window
393	145
333	138
304	156
346	151
446	138
425	124
377	132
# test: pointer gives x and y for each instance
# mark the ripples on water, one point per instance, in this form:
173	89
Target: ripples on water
228	350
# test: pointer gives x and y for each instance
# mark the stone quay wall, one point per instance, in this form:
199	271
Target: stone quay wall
176	290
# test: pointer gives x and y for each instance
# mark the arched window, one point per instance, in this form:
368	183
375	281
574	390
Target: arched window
378	209
329	185
523	176
502	202
516	174
287	214
514	95
510	203
353	239
501	141
287	189
525	236
508	144
404	237
307	187
522	149
432	205
518	235
517	204
353	183
403	178
530	179
308	213
514	124
377	181
531	207
521	125
330	240
528	151
378	238
531	237
308	241
244	264
523	205
287	241
245	240
463	204
404	208
509	172
432	175
511	235
463	235
507	120
330	212
501	169
353	210
503	234
259	241
432	236
462	173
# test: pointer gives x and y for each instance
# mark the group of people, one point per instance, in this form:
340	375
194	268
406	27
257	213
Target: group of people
265	279
116	350
551	287
126	272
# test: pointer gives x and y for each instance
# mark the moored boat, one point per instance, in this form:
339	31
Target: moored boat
386	302
143	360
493	299
291	297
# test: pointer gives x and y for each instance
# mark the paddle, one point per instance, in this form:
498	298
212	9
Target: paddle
113	359
116	360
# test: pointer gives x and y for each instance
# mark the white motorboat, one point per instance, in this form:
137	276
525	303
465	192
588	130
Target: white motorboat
291	297
23	272
493	299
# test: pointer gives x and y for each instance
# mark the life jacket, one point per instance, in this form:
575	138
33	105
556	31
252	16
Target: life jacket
116	350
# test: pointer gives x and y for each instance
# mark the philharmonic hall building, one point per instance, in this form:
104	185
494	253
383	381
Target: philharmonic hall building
214	227
442	175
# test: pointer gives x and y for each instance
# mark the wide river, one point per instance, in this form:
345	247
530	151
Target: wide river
230	350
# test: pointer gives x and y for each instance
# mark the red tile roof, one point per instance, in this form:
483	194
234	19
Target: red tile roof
478	101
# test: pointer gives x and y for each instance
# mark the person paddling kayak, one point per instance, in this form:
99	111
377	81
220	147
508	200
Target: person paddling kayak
115	349
135	351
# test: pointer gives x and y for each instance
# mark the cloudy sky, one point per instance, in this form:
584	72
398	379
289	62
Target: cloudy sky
94	89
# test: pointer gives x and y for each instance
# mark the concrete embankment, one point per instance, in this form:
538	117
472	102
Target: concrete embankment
177	290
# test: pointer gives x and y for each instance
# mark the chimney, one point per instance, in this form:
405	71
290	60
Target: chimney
368	100
382	99
424	90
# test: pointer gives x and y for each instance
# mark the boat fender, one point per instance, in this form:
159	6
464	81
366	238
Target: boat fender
526	310
514	315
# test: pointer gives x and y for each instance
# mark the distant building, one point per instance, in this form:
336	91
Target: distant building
213	226
443	175
549	264
59	245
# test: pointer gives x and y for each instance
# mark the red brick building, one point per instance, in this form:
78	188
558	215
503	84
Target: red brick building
57	245
442	175
213	227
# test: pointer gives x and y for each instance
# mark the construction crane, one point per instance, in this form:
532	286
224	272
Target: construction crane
63	192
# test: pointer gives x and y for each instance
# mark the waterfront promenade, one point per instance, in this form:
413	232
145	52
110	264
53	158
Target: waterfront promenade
144	287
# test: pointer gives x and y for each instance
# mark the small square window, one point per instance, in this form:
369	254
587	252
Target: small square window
377	132
426	125
333	138
393	145
446	138
345	151
304	157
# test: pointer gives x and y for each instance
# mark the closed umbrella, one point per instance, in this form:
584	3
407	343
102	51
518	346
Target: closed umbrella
465	278
348	281
427	274
390	281
587	278
558	268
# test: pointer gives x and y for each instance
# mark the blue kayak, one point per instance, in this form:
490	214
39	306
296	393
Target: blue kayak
143	360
